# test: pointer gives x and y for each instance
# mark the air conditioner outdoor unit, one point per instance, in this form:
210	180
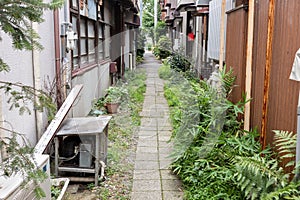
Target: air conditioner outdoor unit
13	188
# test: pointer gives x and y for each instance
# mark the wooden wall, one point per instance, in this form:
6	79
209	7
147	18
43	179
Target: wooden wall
271	65
236	44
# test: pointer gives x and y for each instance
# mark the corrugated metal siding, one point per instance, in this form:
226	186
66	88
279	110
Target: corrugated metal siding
259	62
236	44
215	7
284	92
283	96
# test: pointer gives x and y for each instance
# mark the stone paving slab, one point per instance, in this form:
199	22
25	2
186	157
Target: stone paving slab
173	195
142	165
165	133
148	195
165	144
147	143
163	138
148	185
146	149
148	128
146	174
145	137
165	150
171	185
163	156
146	156
152	178
164	164
167	175
148	132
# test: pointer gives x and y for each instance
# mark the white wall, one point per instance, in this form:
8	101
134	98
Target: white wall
95	82
21	63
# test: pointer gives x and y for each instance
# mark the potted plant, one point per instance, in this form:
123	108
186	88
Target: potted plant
59	187
113	98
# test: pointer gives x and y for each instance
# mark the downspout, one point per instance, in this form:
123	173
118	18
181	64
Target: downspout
268	67
57	58
249	58
122	42
36	75
65	72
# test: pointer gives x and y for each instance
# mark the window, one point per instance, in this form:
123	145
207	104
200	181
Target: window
74	4
89	47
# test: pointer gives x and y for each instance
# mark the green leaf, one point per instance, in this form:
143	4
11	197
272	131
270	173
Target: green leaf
39	193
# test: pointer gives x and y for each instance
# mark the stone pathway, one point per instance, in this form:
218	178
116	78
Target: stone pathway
152	179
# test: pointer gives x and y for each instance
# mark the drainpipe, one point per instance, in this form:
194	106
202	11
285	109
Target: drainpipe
122	41
66	72
57	58
36	75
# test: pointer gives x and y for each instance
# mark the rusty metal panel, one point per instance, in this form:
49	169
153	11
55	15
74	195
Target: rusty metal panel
284	92
236	43
259	62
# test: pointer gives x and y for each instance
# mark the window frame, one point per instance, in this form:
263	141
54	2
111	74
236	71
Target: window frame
91	56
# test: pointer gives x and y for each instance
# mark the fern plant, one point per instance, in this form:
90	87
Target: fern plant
286	145
262	177
228	78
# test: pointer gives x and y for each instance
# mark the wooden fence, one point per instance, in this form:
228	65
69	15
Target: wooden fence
276	40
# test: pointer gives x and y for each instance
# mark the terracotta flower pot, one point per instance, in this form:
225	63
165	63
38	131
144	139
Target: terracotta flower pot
112	107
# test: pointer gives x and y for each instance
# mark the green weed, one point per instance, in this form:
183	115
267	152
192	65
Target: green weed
213	156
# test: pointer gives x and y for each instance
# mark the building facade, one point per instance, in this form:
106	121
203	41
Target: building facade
80	40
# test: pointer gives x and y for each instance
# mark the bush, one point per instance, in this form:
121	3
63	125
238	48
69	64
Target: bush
149	46
179	62
141	44
139	59
163	48
160	30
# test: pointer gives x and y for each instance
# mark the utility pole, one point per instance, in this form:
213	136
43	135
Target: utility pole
155	18
141	12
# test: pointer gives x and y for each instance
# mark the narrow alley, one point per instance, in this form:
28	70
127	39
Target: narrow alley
152	177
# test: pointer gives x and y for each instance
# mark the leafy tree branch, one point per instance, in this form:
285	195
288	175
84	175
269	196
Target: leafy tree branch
16	18
22	95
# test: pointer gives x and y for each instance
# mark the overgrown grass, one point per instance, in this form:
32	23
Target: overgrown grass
165	71
213	156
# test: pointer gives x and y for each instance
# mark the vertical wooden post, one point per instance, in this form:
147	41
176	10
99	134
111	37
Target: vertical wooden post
222	31
249	57
268	66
